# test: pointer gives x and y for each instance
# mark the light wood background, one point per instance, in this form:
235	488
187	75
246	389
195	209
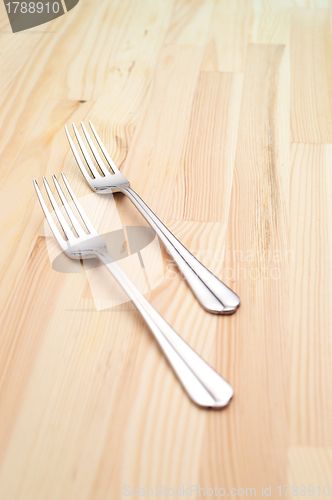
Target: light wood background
220	114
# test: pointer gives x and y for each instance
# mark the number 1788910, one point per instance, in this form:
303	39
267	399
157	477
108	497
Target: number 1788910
302	490
32	7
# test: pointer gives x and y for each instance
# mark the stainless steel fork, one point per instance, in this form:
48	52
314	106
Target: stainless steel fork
203	384
213	295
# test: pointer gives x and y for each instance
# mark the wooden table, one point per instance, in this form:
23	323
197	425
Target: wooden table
220	114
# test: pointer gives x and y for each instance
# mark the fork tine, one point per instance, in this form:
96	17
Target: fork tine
100	162
58	212
49	219
71	215
78	206
104	150
77	157
85	153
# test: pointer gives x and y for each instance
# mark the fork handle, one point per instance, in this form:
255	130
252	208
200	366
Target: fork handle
212	293
203	384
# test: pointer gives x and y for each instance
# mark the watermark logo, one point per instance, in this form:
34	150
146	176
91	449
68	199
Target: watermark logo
136	249
25	15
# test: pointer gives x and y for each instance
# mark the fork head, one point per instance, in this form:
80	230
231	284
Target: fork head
81	245
102	181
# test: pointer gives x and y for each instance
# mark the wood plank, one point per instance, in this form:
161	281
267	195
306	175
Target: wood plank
21	337
227	43
257	335
190	22
122	43
271	25
311	377
205	178
311	72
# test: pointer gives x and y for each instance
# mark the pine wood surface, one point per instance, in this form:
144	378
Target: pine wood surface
220	114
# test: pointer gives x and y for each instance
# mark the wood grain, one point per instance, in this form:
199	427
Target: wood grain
311	270
228	37
219	112
311	70
200	194
160	136
259	330
190	22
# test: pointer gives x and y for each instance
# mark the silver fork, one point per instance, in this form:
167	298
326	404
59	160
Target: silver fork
203	384
213	295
